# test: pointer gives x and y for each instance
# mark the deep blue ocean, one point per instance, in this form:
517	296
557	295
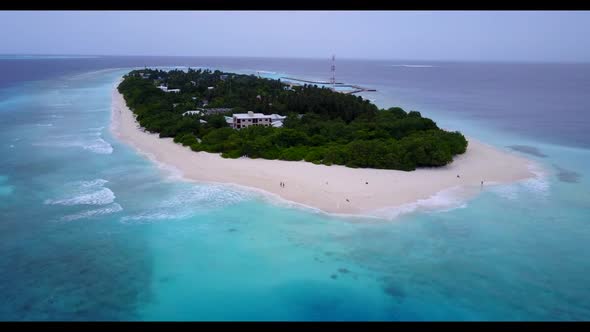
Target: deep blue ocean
92	230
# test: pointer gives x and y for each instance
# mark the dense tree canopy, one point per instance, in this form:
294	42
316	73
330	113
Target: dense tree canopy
322	126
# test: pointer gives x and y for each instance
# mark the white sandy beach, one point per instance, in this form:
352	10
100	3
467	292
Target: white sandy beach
328	187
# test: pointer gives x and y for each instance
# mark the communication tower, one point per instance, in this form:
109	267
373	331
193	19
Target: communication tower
333	79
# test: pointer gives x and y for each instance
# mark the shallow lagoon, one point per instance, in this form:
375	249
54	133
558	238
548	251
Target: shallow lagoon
92	230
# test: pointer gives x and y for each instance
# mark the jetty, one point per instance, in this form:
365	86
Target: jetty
354	88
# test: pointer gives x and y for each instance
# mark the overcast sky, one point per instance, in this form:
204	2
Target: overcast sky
422	35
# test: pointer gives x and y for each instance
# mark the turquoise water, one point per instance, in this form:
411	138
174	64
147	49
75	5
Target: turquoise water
93	230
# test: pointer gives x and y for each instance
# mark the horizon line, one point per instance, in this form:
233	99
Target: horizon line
301	58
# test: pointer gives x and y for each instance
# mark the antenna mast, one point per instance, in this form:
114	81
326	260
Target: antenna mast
333	80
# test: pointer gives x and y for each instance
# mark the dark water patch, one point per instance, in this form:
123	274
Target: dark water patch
343	270
393	289
72	275
533	151
311	300
334	276
394	292
568	176
231	230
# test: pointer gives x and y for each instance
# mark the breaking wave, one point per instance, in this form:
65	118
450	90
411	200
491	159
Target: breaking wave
537	185
445	200
85	193
187	202
96	144
112	208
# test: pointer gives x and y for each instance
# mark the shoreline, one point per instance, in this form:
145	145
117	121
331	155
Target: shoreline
331	189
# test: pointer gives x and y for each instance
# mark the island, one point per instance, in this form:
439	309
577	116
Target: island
271	120
304	143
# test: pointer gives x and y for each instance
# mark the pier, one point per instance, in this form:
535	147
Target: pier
355	88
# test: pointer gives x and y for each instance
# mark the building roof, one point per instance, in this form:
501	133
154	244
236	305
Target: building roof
277	117
216	110
252	115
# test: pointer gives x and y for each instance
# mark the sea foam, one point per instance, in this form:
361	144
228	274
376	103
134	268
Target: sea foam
442	201
112	208
89	142
187	202
85	193
537	185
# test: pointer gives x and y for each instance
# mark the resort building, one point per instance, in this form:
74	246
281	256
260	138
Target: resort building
229	120
196	112
207	111
243	120
277	120
165	89
217	110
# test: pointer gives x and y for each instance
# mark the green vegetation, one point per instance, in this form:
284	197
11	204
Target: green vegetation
322	126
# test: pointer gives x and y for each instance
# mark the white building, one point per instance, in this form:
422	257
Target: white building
277	117
243	120
191	113
165	89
